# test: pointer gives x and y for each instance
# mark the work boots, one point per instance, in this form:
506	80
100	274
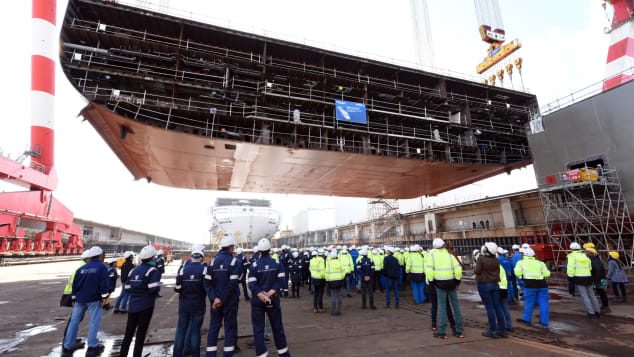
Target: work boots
95	351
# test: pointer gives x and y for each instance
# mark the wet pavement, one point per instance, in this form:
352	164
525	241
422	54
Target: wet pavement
32	324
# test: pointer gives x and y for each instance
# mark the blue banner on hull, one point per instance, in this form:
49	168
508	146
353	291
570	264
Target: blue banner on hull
350	112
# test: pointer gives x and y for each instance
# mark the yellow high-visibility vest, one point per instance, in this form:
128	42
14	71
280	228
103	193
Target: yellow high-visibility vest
415	264
68	289
441	265
579	265
531	268
317	268
334	270
503	282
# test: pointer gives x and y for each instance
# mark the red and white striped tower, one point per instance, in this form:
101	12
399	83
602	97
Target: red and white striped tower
44	47
621	51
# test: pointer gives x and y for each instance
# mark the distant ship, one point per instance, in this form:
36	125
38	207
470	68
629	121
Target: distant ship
248	220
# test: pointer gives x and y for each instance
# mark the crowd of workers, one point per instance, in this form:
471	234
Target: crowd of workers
266	276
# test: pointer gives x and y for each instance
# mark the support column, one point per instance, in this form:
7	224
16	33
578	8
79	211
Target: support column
507	213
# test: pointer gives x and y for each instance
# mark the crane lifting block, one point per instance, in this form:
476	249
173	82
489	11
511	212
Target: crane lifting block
497	54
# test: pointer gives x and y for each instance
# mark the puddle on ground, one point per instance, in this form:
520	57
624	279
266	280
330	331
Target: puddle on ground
11	344
4	302
112	346
469	295
50	283
559	326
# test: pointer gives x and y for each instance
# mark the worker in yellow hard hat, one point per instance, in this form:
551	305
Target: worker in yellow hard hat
598	276
617	277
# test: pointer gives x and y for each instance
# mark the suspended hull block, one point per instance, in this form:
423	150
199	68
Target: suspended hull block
192	105
182	160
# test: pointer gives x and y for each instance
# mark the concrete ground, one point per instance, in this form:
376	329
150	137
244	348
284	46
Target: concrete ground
32	324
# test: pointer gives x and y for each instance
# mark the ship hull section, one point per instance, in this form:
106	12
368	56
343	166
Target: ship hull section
182	160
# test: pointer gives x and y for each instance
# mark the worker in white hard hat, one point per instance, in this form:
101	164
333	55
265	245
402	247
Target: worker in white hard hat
67	297
160	261
579	271
506	262
487	272
348	267
221	283
160	265
335	279
120	307
143	284
533	273
377	258
391	269
365	268
255	257
514	293
90	289
295	273
191	303
266	277
415	269
318	279
285	259
445	271
305	257
354	254
111	264
244	264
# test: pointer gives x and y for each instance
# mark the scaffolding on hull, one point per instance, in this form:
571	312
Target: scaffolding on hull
591	211
385	221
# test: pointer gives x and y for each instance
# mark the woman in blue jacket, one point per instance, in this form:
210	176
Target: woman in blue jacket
617	277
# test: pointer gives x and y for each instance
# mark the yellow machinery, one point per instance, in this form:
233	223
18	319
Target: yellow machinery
499	61
498	52
219	235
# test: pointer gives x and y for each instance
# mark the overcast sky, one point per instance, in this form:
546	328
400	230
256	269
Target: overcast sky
564	48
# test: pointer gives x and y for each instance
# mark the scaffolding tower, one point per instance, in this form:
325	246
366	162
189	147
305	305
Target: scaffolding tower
587	209
385	220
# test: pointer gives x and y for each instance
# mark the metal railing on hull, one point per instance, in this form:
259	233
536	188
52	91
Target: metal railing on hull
581	94
140	104
185	14
217	83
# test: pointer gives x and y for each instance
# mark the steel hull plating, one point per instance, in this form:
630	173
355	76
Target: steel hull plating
183	160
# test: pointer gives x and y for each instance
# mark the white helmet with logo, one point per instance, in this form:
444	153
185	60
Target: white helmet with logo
264	245
147	252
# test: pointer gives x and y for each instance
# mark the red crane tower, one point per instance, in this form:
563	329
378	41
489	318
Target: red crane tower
33	222
621	50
